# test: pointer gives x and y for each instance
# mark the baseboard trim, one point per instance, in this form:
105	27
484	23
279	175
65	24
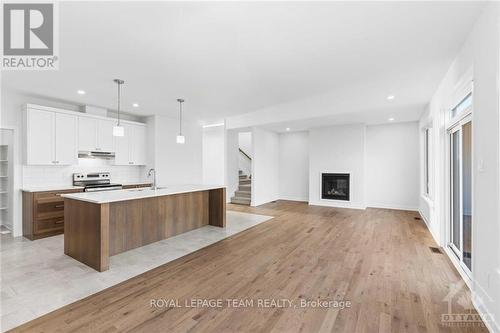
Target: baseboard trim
395	207
291	198
335	205
481	309
428	225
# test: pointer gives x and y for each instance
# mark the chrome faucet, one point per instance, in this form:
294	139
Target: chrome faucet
153	172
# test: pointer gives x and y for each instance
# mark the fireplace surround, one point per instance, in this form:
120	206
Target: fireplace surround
335	186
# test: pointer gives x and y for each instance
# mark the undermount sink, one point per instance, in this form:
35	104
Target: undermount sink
161	187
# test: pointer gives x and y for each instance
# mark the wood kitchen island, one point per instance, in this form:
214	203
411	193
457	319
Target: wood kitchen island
101	224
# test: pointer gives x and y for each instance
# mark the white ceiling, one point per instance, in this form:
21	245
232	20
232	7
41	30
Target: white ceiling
230	58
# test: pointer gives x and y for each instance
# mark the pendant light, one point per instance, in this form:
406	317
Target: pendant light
118	130
180	138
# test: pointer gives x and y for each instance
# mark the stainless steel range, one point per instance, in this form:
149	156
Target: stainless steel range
93	182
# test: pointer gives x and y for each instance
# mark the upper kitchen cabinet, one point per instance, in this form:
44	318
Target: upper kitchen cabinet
95	134
105	138
131	148
55	136
87	134
65	141
50	137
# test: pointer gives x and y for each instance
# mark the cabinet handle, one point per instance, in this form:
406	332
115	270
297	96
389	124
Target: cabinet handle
59	206
59	222
130	162
97	148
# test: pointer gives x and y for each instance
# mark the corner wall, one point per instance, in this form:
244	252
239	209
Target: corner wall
294	166
265	166
392	166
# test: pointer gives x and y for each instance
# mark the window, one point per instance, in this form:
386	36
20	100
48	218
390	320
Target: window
427	139
465	104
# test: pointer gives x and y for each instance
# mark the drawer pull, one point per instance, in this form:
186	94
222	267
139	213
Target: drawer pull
59	206
59	222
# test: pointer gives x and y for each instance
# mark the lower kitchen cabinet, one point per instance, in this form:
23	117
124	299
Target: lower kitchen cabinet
43	213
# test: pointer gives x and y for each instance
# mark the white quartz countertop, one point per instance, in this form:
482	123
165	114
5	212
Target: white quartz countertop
141	193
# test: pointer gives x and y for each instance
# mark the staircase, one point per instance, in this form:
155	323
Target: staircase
244	193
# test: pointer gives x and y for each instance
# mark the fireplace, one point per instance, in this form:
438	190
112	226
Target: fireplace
335	186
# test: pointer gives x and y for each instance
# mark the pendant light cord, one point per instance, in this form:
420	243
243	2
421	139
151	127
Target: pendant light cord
119	93
180	118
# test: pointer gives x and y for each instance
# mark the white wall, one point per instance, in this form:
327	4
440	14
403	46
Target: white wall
265	180
177	163
392	166
294	166
245	144
338	149
232	153
214	155
478	61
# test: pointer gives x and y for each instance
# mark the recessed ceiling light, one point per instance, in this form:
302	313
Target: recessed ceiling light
135	105
390	97
81	92
391	119
287	129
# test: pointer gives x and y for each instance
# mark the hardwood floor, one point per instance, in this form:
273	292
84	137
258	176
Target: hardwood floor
379	260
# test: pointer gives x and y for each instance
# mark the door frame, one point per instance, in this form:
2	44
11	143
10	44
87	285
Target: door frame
457	126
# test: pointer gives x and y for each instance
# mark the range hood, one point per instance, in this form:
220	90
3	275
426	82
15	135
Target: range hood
96	154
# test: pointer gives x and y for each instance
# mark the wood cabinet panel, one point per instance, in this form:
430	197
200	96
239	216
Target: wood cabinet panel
136	223
87	236
94	232
43	213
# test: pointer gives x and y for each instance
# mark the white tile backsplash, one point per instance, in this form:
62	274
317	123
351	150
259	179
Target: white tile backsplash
62	175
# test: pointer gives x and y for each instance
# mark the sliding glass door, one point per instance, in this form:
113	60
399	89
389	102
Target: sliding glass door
461	191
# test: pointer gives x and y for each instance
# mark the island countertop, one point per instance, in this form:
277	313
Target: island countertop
140	193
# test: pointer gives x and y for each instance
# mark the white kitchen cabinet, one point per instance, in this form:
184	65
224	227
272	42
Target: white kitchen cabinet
95	134
131	148
105	138
87	134
139	146
55	136
122	147
65	139
50	138
40	138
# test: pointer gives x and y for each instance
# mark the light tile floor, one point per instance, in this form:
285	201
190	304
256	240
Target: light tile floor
37	277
